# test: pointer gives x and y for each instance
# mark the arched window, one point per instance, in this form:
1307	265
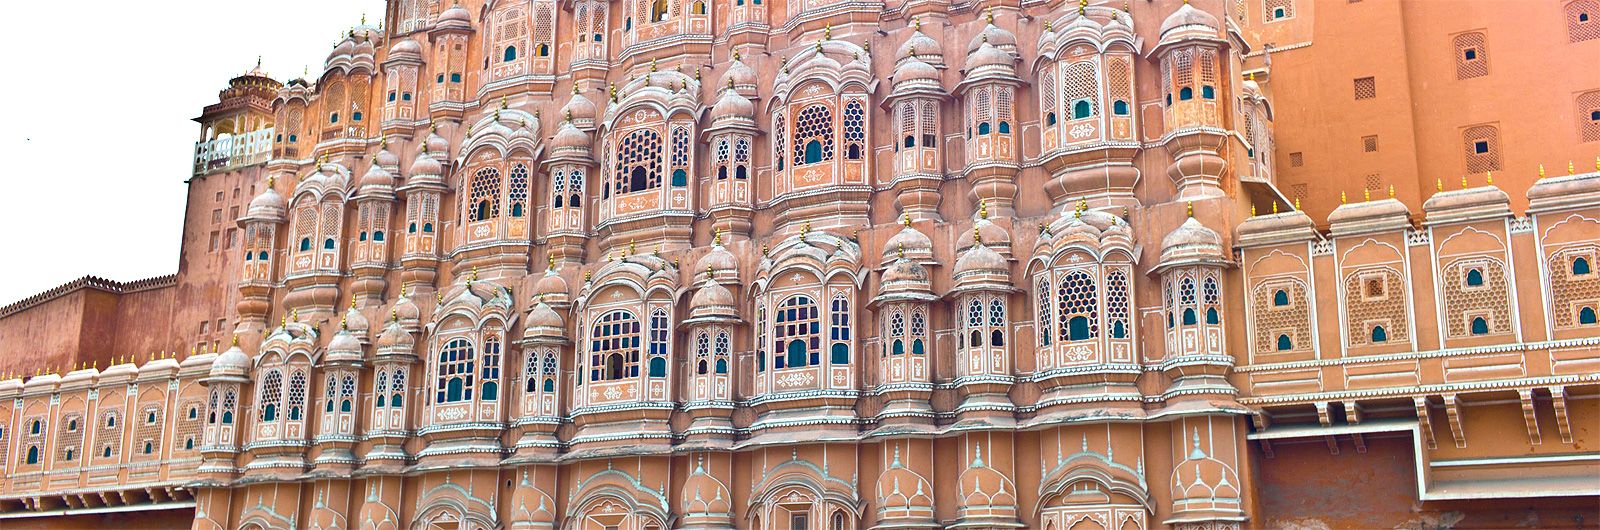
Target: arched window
271	394
658	10
638	161
33	455
511	54
327	244
1480	326
897	331
378	387
297	395
1586	316
983	128
1208	92
813	135
1280	298
485	192
397	388
490	371
1079	312
839	329
797	332
1005	127
35	428
1580	266
855	131
1379	334
455	371
658	367
658	342
614	345
1474	277
1082	109
1119	108
1043	309
518	194
1284	344
997	320
1185	94
305	244
1213	297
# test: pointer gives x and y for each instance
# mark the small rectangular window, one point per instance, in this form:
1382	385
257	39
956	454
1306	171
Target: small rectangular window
215	238
1480	146
1366	88
1369	144
216	215
233	236
205	327
236	192
1297	159
219	196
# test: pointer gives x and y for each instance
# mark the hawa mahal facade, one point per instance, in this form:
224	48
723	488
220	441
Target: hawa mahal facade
857	265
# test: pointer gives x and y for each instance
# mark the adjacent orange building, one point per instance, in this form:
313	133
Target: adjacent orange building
821	265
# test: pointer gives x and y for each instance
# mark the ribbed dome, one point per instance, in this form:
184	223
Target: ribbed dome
356	322
405	46
980	259
232	364
436	145
344	347
712	300
385	157
905	276
268	206
732	106
995	36
395	339
455	13
740	74
578	108
545	316
1191	241
1187	21
377	181
987	55
910	242
913	69
718	259
551	285
918	44
405	310
570	137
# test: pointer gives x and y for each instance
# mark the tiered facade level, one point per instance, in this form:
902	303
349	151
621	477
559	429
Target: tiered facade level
662	264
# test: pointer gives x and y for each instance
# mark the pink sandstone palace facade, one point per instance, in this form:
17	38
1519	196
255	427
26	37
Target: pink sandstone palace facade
857	265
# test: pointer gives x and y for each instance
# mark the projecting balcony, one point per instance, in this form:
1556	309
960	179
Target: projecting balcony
228	151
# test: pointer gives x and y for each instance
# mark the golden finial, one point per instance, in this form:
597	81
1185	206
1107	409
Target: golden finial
736	55
710	272
1083	204
270	180
1569	167
977	235
432	126
474	275
1597	163
552	262
1391	191
652	65
496	117
716	238
657	251
1274	207
819	46
1190	206
911	52
503	102
235	340
344	323
916	23
294	315
631	247
283	321
1252	210
1077	213
1250	76
827	31
1541	170
985	38
438	297
983	208
1083	6
989	17
1463	182
587	275
906	220
1343	199
1297	204
902	251
763	250
730	83
805	229
1366	195
1438	184
1048	26
575	89
1488	178
612	87
1126	8
394	315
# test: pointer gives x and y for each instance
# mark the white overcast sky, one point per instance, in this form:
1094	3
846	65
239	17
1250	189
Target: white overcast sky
95	121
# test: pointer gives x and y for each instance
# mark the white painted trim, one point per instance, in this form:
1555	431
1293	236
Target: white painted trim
103	509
